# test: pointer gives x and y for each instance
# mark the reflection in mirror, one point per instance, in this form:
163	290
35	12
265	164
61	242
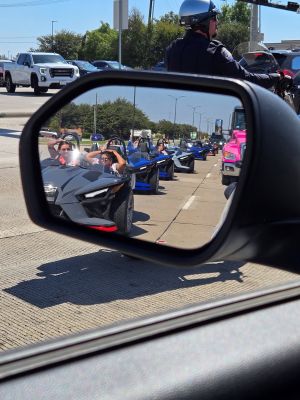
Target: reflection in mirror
144	162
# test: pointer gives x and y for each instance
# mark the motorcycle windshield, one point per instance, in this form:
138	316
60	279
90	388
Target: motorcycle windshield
256	57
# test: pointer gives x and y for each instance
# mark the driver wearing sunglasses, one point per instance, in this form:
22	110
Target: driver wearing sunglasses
109	158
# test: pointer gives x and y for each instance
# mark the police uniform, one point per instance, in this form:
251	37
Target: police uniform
195	54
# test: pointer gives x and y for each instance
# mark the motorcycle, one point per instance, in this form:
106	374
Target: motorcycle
256	57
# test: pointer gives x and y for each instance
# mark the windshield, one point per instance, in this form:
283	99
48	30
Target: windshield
86	65
256	57
217	137
239	119
115	65
48	58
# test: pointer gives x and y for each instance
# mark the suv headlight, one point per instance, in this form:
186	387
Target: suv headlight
43	70
76	70
229	156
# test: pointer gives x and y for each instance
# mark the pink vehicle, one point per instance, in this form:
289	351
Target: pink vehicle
233	151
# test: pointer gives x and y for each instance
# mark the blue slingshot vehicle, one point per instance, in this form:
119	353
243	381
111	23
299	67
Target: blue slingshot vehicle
199	151
164	162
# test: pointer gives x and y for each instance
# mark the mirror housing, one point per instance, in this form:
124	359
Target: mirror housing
260	220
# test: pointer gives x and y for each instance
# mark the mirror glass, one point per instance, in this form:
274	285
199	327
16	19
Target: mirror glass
150	163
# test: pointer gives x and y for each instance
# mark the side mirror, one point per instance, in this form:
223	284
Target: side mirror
182	226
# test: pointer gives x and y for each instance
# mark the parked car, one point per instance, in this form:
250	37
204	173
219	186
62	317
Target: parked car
288	60
107	65
85	67
39	70
160	66
2	63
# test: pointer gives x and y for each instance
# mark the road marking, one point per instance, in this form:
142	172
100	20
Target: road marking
188	203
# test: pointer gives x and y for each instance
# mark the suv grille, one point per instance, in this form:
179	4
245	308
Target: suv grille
61	72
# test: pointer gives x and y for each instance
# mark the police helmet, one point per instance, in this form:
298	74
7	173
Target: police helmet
196	12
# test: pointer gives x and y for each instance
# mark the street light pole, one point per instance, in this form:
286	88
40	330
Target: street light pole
52	36
175	110
194	108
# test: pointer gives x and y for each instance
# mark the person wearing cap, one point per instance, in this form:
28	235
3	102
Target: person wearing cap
199	53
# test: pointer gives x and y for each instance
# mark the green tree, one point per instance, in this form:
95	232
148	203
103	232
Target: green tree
234	23
101	44
164	32
134	41
66	43
118	118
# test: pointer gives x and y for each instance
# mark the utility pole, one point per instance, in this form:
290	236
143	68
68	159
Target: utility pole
175	110
95	114
255	33
134	107
151	12
194	108
120	22
52	36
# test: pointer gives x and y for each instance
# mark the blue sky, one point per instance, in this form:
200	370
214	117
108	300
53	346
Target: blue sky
159	104
19	26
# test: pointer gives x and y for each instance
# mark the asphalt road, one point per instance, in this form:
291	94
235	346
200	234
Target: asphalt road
53	286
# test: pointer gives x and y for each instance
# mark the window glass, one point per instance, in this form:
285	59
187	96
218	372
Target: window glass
296	63
53	286
21	59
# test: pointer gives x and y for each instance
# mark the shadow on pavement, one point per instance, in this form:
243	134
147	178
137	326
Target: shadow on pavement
107	276
27	94
10	133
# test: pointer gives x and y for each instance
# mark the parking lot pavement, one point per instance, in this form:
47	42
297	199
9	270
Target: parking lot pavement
22	101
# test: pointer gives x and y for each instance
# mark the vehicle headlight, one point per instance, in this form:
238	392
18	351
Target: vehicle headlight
229	156
43	70
76	70
95	193
50	192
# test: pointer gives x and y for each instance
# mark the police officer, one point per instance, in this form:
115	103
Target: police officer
198	53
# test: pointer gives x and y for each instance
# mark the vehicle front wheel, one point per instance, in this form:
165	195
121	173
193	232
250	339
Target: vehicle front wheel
10	87
154	181
192	166
122	210
35	85
170	171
